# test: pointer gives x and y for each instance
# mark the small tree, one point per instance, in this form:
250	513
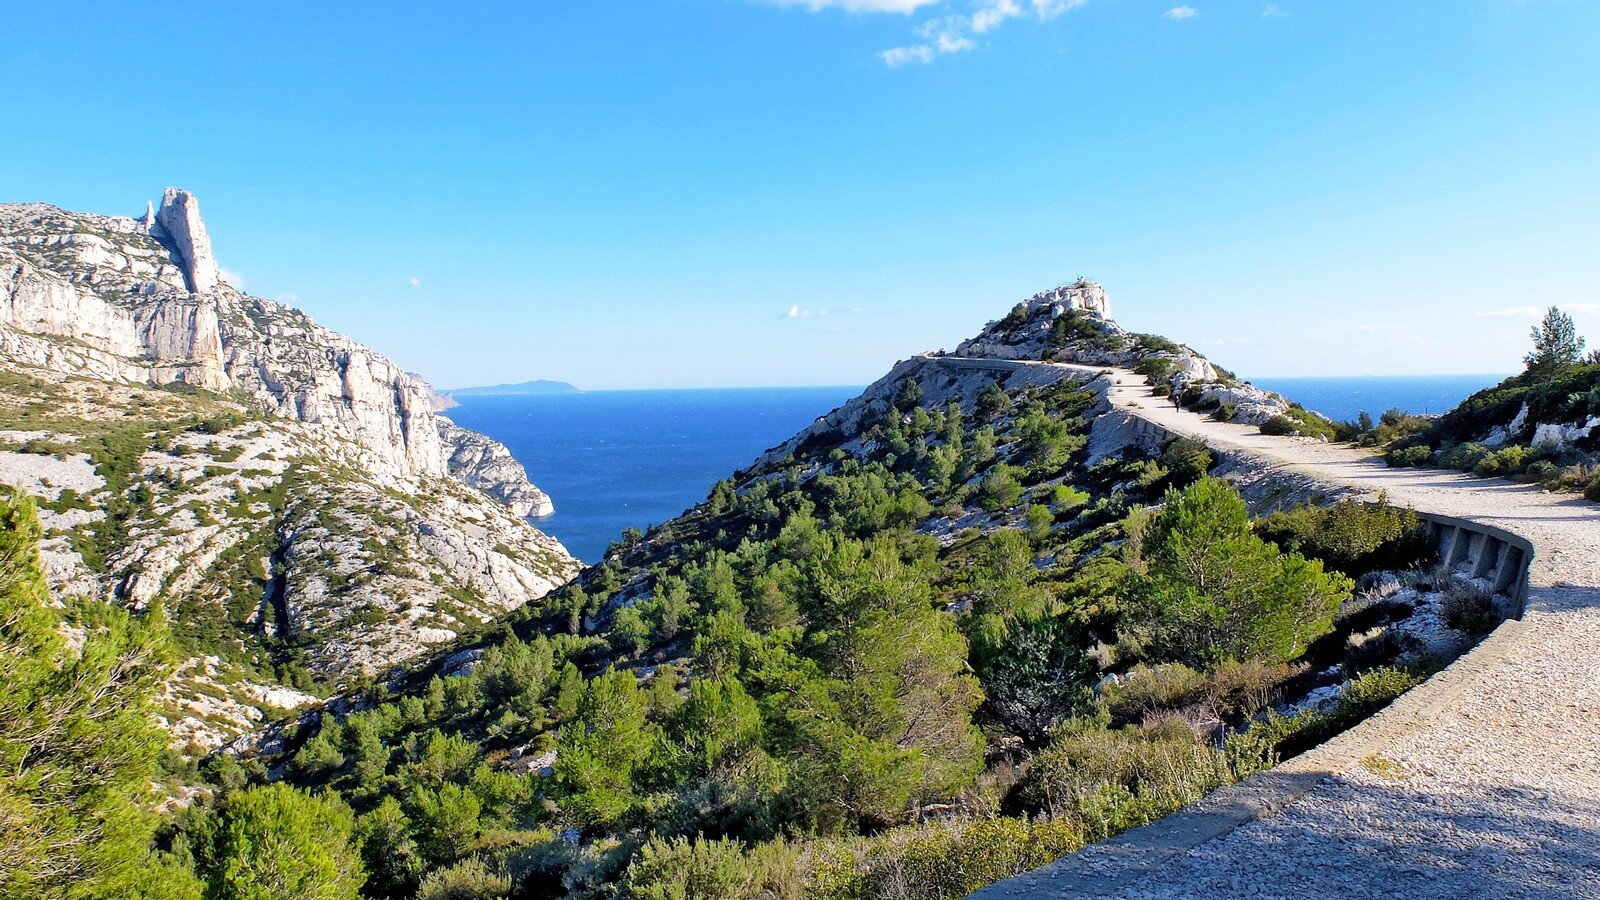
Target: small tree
1211	589
1555	343
275	842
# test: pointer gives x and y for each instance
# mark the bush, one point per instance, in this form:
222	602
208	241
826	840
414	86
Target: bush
1416	456
1464	456
1279	425
1469	609
1106	781
1592	492
1208	588
1145	689
940	862
1186	461
1509	461
1353	537
681	869
470	879
299	845
1280	737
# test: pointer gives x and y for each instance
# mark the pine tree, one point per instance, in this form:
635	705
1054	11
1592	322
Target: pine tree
1555	343
78	738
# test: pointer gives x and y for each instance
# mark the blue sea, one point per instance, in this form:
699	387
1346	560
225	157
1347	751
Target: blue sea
617	459
614	459
1344	398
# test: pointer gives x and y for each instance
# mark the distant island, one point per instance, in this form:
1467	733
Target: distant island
526	387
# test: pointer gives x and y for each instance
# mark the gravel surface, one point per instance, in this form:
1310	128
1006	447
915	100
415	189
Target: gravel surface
1494	792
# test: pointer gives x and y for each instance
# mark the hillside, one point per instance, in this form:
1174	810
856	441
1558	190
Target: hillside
966	622
288	494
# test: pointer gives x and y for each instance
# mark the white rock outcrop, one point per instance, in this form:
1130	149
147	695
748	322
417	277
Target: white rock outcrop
141	301
296	498
178	222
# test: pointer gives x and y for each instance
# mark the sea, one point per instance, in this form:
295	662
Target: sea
1342	399
612	460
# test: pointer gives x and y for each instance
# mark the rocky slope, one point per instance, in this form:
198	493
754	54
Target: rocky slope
288	494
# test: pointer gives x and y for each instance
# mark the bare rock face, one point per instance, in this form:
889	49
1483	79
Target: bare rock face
140	300
179	222
489	466
284	490
1082	295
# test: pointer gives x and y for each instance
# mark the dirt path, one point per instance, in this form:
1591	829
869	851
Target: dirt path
1484	782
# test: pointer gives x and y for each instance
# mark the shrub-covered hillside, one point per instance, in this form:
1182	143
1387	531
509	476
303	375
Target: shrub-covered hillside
902	658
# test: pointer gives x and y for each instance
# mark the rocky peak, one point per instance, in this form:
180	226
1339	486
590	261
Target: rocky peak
178	223
134	300
1082	295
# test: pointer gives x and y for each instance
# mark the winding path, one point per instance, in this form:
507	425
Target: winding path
1482	782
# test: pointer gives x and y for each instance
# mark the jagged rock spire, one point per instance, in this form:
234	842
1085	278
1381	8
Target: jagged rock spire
179	221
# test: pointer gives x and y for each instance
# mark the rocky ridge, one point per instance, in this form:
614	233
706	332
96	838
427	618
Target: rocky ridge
287	493
1068	324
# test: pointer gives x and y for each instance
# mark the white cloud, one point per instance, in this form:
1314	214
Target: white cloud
1274	11
956	33
416	282
1179	13
796	312
1582	307
1510	312
858	6
895	57
234	279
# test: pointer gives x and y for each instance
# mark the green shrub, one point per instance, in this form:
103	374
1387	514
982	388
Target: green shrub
681	869
1509	461
1186	461
1592	492
470	879
1409	457
1463	456
1146	688
1279	425
1350	536
1105	781
1470	609
1207	588
1300	421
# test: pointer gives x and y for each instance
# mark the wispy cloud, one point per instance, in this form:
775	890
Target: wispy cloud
958	33
1510	312
234	279
858	6
1274	11
1179	13
800	312
416	282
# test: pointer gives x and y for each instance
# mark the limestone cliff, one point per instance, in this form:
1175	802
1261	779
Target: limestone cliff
289	494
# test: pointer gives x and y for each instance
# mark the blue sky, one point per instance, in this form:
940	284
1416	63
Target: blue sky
637	194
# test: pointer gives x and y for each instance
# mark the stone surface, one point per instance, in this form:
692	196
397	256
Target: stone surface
487	465
178	222
298	499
